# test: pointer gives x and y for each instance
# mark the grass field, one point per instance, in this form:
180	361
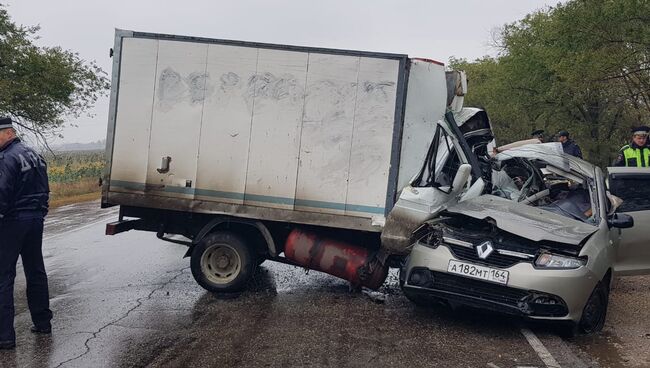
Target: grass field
74	176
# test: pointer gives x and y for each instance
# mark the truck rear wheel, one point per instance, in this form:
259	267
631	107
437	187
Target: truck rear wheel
222	262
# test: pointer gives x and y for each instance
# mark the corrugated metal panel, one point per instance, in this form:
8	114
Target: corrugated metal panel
372	136
276	95
327	133
177	112
133	121
268	127
226	127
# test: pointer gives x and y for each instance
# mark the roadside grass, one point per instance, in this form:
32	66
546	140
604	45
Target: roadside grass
74	176
86	189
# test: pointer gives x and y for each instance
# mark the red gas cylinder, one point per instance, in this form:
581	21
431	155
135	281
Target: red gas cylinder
347	261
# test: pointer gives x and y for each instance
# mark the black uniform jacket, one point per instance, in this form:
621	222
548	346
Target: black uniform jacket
572	148
24	189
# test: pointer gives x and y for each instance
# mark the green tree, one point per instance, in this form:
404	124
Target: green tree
42	87
581	66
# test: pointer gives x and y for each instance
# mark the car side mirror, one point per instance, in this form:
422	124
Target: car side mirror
621	221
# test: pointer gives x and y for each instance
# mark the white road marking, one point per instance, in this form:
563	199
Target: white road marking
99	220
540	349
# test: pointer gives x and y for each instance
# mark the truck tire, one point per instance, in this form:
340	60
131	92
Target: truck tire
222	262
259	260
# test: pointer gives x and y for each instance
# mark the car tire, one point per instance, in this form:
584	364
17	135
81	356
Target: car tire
222	262
595	310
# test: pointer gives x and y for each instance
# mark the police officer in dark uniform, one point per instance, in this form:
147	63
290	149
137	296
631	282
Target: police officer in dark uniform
637	153
24	195
568	145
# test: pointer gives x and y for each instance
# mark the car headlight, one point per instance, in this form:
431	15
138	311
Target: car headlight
549	260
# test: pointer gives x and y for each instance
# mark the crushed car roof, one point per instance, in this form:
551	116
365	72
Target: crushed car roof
552	154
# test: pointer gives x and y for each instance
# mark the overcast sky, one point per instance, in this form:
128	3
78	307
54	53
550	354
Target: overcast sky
419	28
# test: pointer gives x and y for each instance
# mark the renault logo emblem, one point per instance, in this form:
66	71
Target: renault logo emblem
484	249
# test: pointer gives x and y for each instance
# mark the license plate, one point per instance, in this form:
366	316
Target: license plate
478	272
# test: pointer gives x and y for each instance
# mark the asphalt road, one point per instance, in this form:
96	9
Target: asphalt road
130	301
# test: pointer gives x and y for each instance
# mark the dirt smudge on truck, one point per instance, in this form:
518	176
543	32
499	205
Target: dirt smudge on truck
328	101
170	88
228	81
268	86
173	88
199	87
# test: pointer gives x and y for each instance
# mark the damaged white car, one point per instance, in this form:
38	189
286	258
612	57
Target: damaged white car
531	232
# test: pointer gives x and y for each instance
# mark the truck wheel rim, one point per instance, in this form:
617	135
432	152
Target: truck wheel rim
220	263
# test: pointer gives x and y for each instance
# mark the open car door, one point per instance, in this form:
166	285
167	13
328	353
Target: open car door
632	185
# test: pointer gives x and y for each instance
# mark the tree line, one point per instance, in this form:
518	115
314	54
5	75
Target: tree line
581	66
43	87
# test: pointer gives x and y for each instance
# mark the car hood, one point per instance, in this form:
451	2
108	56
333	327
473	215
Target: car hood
526	221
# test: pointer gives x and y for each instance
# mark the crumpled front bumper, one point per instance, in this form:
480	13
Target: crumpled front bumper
530	292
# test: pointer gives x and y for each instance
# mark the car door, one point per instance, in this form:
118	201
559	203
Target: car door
632	185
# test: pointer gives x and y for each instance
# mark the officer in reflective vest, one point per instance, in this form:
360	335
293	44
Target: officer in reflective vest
24	195
637	153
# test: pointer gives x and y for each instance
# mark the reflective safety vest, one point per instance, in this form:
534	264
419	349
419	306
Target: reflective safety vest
636	157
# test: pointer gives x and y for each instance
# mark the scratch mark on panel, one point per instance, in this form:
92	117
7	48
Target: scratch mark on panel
378	89
266	86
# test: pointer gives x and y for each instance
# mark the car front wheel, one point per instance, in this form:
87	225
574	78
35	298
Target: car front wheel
595	311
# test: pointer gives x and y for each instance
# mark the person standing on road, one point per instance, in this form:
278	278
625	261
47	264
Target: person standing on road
568	145
24	196
637	153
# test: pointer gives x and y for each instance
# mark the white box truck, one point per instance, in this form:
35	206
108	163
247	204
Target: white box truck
247	151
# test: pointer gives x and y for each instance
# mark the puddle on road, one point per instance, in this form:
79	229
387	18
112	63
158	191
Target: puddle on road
604	347
284	279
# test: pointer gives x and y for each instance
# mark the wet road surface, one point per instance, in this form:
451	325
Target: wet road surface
130	301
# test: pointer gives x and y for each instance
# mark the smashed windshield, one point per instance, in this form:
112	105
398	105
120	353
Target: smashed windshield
543	177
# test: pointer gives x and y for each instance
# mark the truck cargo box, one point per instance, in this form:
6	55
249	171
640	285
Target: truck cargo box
272	132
